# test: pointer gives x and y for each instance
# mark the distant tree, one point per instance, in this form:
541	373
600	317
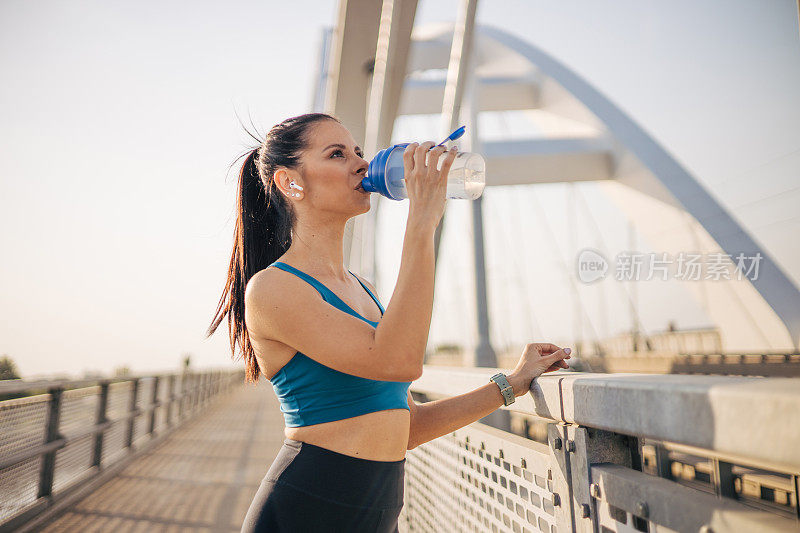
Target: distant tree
8	369
448	348
122	371
187	361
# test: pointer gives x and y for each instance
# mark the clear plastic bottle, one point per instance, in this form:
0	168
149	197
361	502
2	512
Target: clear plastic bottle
466	179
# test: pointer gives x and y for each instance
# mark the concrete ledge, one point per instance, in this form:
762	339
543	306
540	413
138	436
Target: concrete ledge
755	420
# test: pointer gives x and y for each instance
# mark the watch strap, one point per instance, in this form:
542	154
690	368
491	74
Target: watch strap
505	388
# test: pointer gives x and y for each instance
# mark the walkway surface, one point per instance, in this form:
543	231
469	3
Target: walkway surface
201	478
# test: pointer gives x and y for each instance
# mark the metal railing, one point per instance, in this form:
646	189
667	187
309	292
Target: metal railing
69	433
777	364
619	452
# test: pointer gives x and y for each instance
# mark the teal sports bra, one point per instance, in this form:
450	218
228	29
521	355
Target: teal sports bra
312	393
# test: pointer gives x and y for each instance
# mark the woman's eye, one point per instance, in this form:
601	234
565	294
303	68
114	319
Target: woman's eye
359	154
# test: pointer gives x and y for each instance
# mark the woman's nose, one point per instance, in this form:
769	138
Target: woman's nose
362	167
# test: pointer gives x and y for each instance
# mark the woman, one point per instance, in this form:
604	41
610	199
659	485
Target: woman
340	366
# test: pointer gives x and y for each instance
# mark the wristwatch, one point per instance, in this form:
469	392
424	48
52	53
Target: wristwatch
505	387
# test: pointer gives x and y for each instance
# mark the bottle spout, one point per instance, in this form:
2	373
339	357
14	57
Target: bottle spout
368	184
455	135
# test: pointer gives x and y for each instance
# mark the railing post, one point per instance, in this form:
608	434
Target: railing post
184	391
724	479
585	447
47	471
182	397
132	411
200	382
663	462
102	407
153	401
796	485
170	399
201	390
195	379
191	393
558	476
187	393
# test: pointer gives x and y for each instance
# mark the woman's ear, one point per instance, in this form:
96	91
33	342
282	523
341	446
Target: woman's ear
287	185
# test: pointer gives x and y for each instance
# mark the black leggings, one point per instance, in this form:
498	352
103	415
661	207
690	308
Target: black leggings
312	489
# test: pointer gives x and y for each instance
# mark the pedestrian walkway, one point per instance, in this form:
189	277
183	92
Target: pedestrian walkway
202	478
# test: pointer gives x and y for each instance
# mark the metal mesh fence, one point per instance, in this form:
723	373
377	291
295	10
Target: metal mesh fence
472	481
78	409
142	422
69	459
18	485
73	461
114	442
118	400
22	423
163	397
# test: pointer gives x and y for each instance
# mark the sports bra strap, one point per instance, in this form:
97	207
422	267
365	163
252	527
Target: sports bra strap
327	294
322	289
370	293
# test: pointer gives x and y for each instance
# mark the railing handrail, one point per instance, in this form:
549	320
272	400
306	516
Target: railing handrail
722	414
14	386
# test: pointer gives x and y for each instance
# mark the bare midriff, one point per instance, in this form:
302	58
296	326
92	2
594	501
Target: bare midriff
378	436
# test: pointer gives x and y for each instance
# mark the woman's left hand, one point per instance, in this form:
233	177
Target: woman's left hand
536	359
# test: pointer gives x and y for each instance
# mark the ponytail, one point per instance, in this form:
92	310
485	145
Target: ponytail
263	231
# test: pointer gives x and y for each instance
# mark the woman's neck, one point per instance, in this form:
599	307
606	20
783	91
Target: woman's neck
319	248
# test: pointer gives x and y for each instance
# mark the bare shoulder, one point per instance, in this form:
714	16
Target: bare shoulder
271	290
282	307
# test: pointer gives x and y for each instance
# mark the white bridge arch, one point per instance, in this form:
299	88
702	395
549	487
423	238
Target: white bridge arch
405	73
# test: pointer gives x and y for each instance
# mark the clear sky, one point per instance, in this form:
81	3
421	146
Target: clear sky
118	121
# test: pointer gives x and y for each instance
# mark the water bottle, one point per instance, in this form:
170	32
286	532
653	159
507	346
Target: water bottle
466	179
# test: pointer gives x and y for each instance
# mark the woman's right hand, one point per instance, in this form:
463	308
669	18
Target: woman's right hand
426	185
536	359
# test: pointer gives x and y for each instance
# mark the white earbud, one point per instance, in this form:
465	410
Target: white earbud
293	185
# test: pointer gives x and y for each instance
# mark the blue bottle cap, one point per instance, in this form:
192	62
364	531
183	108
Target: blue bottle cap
374	180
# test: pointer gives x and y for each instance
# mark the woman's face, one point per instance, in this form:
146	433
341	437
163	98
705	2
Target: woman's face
333	167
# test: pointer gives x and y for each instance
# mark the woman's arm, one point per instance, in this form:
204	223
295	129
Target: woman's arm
440	417
406	323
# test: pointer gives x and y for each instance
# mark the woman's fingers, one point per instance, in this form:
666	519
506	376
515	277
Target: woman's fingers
558	365
433	160
557	356
408	157
420	154
448	162
547	348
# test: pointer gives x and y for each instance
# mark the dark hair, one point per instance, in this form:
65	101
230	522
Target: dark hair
264	221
